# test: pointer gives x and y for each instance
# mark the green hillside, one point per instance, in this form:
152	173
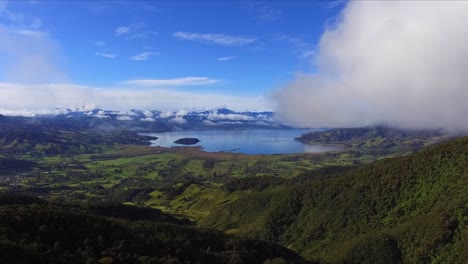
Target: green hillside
195	206
411	209
35	231
376	140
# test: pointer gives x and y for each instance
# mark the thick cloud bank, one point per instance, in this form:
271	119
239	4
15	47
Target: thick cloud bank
401	63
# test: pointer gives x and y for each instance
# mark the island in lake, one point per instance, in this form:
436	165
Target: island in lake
187	141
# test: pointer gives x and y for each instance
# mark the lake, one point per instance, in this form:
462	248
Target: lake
249	141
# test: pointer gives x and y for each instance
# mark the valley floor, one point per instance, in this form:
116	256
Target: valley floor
337	207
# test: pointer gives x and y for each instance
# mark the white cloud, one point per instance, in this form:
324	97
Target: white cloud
25	112
209	123
185	81
143	56
216	116
99	43
106	55
127	113
144	34
122	31
166	114
148	119
264	118
182	112
178	120
49	96
124	118
218	39
226	58
148	113
100	114
397	62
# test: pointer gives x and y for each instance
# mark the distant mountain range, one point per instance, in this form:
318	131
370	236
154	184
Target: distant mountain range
151	120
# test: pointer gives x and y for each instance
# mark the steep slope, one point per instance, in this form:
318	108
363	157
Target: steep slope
34	231
411	209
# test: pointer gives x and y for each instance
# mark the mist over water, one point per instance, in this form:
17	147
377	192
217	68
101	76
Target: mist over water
400	63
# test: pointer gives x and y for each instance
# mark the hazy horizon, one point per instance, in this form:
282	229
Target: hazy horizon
316	64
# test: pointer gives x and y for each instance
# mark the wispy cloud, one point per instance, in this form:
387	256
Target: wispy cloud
136	31
106	55
28	53
302	48
99	43
30	33
143	34
147	6
185	81
261	11
333	4
217	39
293	41
19	20
307	54
143	56
226	58
10	16
122	31
114	6
268	13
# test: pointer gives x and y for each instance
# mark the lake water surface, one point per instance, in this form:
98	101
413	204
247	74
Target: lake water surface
249	141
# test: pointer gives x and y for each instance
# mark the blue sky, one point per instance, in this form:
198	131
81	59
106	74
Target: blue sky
229	48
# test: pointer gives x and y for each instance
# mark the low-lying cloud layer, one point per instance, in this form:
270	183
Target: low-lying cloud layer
28	99
401	63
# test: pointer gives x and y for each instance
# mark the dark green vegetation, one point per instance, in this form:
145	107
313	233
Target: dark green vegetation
35	231
376	141
104	196
23	138
187	141
411	209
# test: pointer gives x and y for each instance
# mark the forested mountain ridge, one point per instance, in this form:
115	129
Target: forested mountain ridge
148	120
376	140
23	138
411	209
328	208
35	231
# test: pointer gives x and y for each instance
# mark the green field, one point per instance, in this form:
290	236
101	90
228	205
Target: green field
338	207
